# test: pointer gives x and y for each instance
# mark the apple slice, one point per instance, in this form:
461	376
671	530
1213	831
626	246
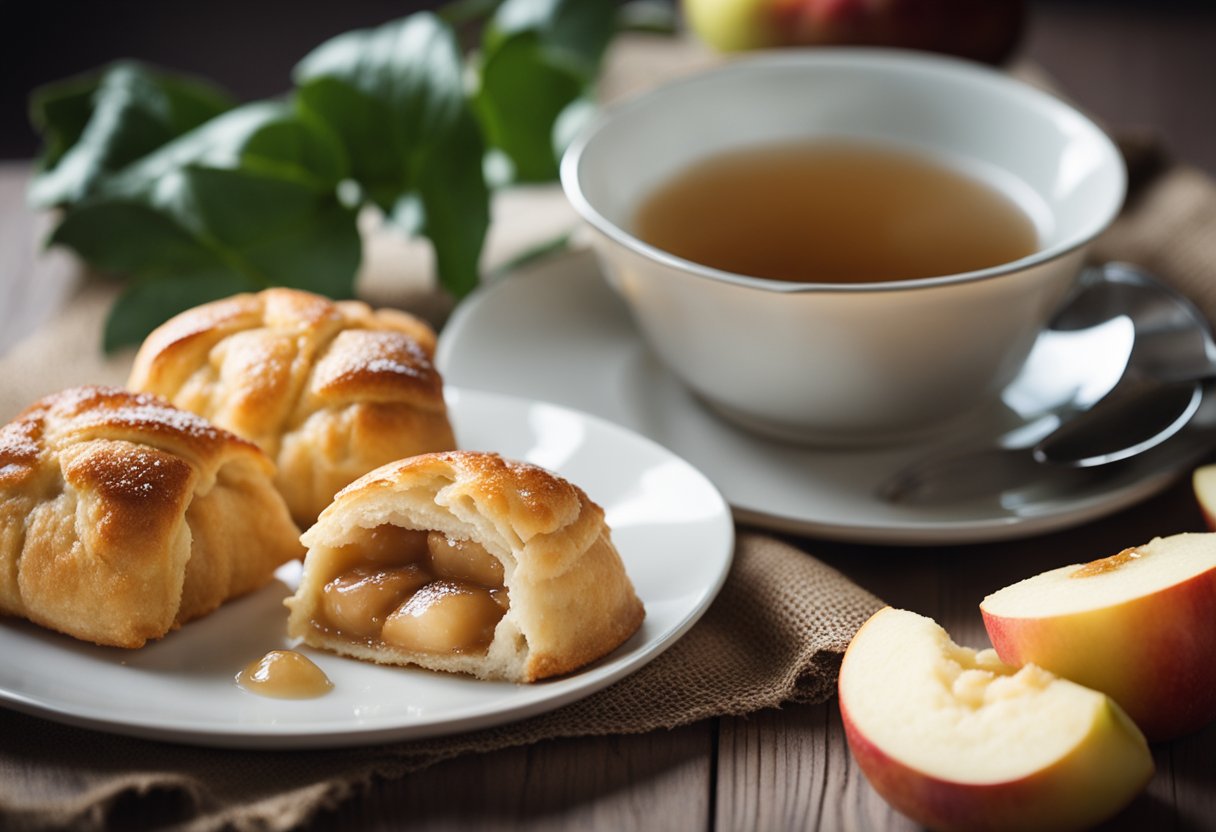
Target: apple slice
1139	626
1204	483
955	739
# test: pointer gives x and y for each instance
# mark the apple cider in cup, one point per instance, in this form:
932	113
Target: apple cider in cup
824	211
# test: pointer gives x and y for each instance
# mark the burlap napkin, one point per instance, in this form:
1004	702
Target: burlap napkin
1168	223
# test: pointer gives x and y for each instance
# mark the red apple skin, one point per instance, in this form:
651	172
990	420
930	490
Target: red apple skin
1155	655
1074	793
981	30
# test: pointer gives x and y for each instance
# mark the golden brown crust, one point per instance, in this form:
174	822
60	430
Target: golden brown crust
122	517
306	379
528	498
366	365
570	599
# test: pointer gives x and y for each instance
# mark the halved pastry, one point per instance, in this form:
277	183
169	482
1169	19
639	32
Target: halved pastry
122	517
328	390
465	562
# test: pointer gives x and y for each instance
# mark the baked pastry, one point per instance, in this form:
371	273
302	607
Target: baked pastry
328	390
465	562
122	517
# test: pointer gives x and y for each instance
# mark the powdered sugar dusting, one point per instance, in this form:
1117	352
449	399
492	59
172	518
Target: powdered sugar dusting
120	408
368	358
84	412
20	444
134	472
20	440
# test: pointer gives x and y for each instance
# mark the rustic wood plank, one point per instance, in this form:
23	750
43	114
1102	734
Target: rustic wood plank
1193	764
790	769
660	780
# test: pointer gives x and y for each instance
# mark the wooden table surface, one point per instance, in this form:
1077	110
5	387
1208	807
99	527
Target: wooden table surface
790	768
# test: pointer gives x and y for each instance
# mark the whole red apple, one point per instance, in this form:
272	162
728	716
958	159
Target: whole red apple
982	30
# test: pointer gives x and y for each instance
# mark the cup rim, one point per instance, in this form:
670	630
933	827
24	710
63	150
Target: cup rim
837	56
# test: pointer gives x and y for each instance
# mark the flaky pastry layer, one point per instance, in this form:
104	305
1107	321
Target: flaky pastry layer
329	390
122	517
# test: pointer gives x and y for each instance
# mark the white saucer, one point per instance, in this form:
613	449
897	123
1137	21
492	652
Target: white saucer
555	332
672	528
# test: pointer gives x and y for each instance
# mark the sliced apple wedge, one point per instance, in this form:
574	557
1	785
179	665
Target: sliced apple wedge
1139	626
956	739
1203	481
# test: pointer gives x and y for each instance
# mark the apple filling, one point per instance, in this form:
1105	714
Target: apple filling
284	674
419	590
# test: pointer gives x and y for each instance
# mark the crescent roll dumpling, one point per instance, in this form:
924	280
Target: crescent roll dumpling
122	517
328	390
465	562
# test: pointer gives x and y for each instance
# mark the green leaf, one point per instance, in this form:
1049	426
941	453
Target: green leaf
412	67
275	231
363	126
297	146
250	199
164	181
540	57
95	126
60	112
522	94
394	96
131	239
270	138
456	205
219	229
574	32
127	238
146	303
256	186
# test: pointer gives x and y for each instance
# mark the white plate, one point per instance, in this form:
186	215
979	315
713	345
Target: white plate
672	528
555	332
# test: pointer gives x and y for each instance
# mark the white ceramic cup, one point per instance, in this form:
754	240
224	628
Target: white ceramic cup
833	363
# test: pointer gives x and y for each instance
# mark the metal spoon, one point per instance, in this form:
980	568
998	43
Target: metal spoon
1132	420
1161	389
1156	396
